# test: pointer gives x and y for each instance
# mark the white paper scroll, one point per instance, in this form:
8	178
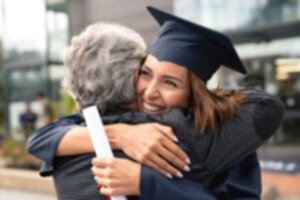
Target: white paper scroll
98	135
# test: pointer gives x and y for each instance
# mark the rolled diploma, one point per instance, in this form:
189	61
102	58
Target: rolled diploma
98	136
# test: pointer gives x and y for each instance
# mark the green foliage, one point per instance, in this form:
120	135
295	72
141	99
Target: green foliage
15	155
68	103
2	109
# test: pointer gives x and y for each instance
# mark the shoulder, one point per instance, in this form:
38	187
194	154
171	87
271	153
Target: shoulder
259	95
266	110
263	101
76	118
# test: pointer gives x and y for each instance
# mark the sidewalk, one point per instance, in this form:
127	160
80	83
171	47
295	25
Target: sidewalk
12	194
30	182
25	180
281	170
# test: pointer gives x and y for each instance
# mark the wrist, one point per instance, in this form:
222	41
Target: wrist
115	135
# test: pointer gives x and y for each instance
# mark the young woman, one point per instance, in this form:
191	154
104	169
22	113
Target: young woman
161	86
181	60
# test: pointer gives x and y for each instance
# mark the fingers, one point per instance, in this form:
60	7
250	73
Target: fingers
156	167
117	176
165	153
175	149
156	147
165	167
99	162
108	182
103	162
167	131
112	191
107	191
100	173
103	168
174	154
104	176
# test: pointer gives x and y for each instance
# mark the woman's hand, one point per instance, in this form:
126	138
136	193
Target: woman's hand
117	176
154	145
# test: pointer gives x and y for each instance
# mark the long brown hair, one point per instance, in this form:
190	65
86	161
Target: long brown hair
211	107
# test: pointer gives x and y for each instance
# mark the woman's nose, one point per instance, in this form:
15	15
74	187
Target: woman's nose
151	91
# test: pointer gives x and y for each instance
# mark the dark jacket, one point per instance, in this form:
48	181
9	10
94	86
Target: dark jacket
74	181
212	154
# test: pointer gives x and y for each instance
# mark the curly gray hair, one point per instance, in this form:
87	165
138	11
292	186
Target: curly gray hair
100	64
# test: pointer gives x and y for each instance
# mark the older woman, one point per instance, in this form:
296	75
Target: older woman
100	64
82	94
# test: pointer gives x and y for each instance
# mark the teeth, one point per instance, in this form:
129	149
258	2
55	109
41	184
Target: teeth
150	107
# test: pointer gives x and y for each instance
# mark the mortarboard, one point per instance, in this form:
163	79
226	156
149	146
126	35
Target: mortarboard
190	45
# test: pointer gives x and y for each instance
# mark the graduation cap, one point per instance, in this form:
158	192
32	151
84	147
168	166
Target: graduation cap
190	45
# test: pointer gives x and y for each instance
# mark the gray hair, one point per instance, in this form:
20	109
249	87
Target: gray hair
100	64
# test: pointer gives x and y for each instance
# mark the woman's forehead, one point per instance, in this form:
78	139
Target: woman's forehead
152	61
165	68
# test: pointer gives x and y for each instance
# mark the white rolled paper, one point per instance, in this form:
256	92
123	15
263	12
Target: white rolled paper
99	138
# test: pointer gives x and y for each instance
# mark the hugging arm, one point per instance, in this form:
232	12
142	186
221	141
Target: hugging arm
43	142
66	137
229	149
259	118
155	186
215	152
243	181
237	138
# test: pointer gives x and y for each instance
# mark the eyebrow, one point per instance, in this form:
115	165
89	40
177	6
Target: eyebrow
165	76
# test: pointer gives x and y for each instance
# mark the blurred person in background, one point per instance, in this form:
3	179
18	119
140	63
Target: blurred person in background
43	108
28	120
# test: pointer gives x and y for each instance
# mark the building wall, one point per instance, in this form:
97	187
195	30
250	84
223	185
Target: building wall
131	13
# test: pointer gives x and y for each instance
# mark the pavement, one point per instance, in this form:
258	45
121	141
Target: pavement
13	194
280	174
18	184
280	166
25	180
24	184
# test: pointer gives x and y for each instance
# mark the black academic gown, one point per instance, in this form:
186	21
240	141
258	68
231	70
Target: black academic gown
243	182
44	142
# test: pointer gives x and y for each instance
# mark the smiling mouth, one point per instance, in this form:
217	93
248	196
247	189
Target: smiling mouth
151	108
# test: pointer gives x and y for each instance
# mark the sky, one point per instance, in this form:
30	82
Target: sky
24	24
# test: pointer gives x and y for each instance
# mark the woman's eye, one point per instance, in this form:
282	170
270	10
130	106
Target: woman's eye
171	83
144	73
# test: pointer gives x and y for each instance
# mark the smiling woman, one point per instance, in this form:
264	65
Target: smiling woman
170	79
162	86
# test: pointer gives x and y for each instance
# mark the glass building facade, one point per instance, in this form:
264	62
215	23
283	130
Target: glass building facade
33	36
236	15
267	37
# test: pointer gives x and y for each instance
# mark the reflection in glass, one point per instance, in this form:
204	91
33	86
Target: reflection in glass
57	23
24	31
24	83
235	14
15	76
288	76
